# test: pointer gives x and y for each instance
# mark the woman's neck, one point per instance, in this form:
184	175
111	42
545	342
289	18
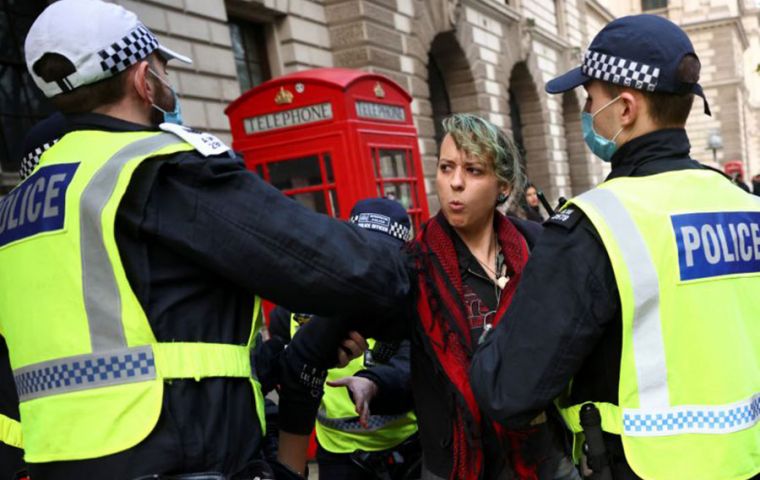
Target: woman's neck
480	241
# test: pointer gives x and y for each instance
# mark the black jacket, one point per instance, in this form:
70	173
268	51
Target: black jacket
565	321
198	238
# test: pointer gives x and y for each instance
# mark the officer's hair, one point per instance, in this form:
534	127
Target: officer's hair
480	138
669	109
53	67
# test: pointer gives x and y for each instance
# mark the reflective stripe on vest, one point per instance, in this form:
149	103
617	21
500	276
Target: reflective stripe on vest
136	364
101	294
10	432
351	424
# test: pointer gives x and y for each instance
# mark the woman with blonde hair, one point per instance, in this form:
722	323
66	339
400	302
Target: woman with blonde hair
466	263
469	259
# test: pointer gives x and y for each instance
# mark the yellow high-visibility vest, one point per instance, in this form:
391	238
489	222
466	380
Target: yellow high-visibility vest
685	250
338	428
88	369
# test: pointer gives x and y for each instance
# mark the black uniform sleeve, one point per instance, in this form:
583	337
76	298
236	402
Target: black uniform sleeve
279	323
229	220
393	380
566	299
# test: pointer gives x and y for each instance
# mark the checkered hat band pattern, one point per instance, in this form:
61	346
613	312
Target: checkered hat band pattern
620	71
135	46
696	419
395	229
32	159
376	422
85	372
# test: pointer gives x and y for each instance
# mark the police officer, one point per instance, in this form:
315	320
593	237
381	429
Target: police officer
642	291
131	258
377	415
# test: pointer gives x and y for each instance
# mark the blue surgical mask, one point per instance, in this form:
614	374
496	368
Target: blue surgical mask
175	116
602	147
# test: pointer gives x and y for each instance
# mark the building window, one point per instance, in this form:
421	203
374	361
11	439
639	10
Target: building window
250	49
653	4
22	104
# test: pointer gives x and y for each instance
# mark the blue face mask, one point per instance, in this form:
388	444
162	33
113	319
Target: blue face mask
601	147
175	116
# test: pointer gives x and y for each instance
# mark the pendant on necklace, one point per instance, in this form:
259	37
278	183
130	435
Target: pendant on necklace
502	281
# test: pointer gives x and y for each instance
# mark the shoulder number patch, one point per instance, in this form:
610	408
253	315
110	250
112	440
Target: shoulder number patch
566	218
205	143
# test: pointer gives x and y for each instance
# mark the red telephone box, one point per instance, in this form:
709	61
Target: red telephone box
331	136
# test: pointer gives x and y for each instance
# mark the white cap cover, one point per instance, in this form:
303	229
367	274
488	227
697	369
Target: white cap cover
100	39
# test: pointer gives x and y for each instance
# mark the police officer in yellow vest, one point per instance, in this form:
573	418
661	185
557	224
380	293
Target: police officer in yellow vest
644	290
131	258
380	379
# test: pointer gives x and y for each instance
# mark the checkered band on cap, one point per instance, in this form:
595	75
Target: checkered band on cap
132	48
620	71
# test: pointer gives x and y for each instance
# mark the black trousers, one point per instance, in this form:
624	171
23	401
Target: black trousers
11	461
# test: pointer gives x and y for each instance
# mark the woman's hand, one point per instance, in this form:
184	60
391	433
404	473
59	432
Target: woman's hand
363	390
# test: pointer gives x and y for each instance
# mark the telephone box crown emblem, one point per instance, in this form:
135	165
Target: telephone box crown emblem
379	92
283	97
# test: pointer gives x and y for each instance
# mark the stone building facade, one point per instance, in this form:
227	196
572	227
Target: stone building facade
491	57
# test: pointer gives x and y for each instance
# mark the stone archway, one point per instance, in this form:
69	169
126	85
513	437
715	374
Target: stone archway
585	170
529	127
444	84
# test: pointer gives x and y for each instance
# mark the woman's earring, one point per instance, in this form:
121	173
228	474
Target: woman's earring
502	198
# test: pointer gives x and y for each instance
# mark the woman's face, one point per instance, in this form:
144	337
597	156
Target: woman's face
467	188
531	196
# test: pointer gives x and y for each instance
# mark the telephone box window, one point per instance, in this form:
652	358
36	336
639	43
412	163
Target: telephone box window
308	180
395	178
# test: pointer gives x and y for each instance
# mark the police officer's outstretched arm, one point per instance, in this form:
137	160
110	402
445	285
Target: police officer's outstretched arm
550	327
249	232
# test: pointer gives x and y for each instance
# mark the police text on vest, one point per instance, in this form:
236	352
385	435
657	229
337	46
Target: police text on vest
37	205
717	243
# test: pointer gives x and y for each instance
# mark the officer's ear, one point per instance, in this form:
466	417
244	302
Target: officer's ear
633	106
144	86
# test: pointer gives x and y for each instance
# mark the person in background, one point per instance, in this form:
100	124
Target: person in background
532	206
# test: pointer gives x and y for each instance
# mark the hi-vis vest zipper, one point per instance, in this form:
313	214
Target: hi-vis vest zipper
338	428
88	369
685	250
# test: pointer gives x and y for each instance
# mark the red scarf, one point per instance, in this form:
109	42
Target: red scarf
440	306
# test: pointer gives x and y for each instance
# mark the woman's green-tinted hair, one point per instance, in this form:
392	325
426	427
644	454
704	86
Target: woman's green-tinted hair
480	138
